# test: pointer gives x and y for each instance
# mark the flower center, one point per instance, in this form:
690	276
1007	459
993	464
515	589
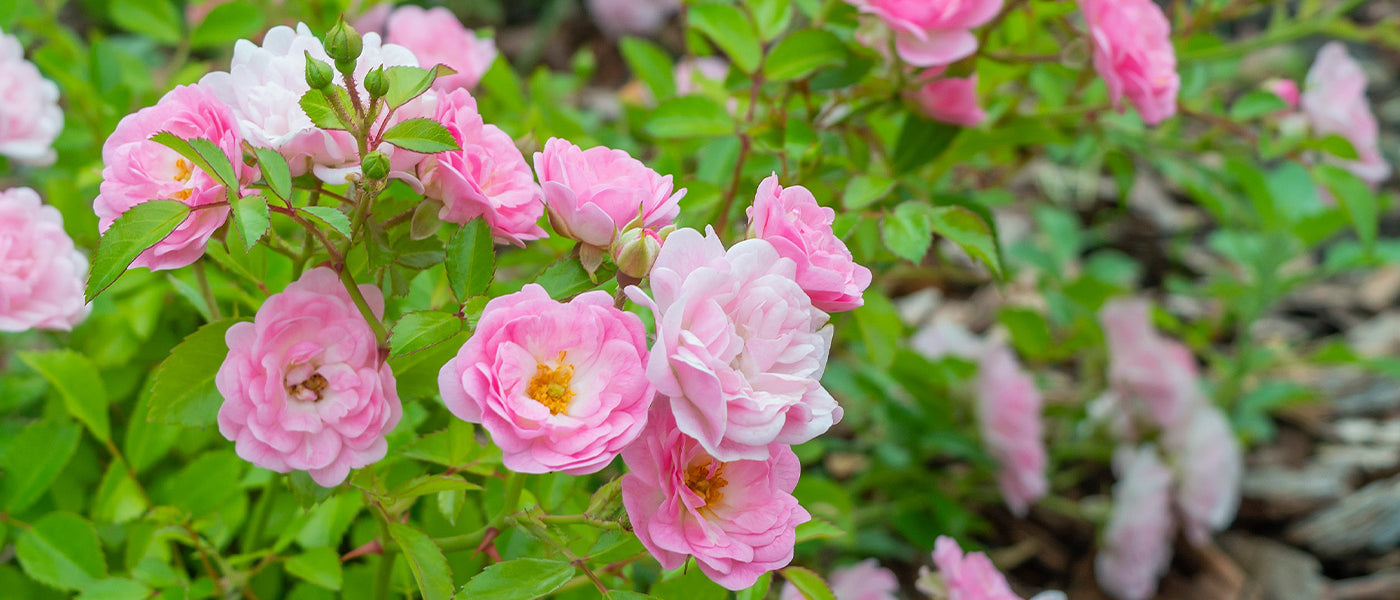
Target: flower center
706	479
550	385
310	389
184	169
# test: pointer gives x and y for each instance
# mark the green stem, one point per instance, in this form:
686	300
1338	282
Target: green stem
515	484
381	336
206	291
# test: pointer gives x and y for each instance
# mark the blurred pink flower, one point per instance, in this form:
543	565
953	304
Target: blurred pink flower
559	386
800	230
930	33
631	17
1009	415
1133	54
41	272
1147	370
138	170
487	178
1207	460
30	118
691	69
737	518
1285	89
304	385
375	19
951	100
1136	546
592	194
1334	100
739	348
435	36
865	580
969	577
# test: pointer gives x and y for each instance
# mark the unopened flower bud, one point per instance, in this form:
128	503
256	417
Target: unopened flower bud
607	501
343	44
635	250
376	83
318	74
375	165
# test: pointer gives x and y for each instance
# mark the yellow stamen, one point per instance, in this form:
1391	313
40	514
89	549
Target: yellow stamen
184	170
550	385
709	486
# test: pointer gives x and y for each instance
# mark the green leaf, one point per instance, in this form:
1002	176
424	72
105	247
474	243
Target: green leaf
908	231
115	588
228	23
33	459
771	16
864	190
920	142
155	18
451	447
308	493
689	117
318	108
731	30
145	225
320	566
203	485
519	579
968	231
424	329
758	590
1256	104
119	497
809	583
817	529
251	218
651	64
183	392
565	279
79	384
1355	198
425	560
1030	333
1336	145
471	260
421	135
274	170
880	328
329	216
802	53
61	551
407	83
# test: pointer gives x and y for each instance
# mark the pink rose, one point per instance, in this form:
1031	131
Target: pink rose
1147	370
30	117
304	385
1335	103
631	17
951	100
593	194
737	518
1207	460
487	178
739	349
1285	89
1136	545
969	577
1133	54
560	386
800	229
865	580
41	272
137	170
930	33
1008	415
435	36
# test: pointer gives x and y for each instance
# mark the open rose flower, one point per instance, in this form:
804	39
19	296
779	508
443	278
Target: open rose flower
739	350
436	37
304	385
1207	460
800	229
41	273
1133	54
30	118
1136	545
951	100
737	518
930	33
631	17
1149	373
487	178
1009	415
138	170
966	577
865	580
592	194
559	386
1334	100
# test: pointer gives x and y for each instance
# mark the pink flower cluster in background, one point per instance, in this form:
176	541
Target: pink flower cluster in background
1133	54
30	118
932	33
632	17
435	36
41	273
1334	102
1009	410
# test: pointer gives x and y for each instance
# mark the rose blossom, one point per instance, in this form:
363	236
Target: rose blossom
737	518
1285	89
1207	460
1008	415
304	385
30	117
800	230
1335	103
41	272
739	350
968	577
930	33
560	386
138	170
631	17
592	194
435	36
951	100
1133	54
1136	545
1146	369
487	178
865	580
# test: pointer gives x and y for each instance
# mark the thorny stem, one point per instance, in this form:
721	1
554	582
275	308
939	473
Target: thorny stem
204	558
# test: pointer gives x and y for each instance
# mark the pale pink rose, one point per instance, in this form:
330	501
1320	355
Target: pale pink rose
487	178
138	170
41	272
951	100
692	69
631	17
930	33
1207	460
197	10
1154	376
737	518
436	37
739	350
561	387
593	194
1009	416
1285	89
305	387
1334	100
1135	547
1133	54
800	230
865	580
30	117
968	577
375	19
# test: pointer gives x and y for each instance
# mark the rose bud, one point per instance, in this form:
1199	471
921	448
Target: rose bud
318	74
